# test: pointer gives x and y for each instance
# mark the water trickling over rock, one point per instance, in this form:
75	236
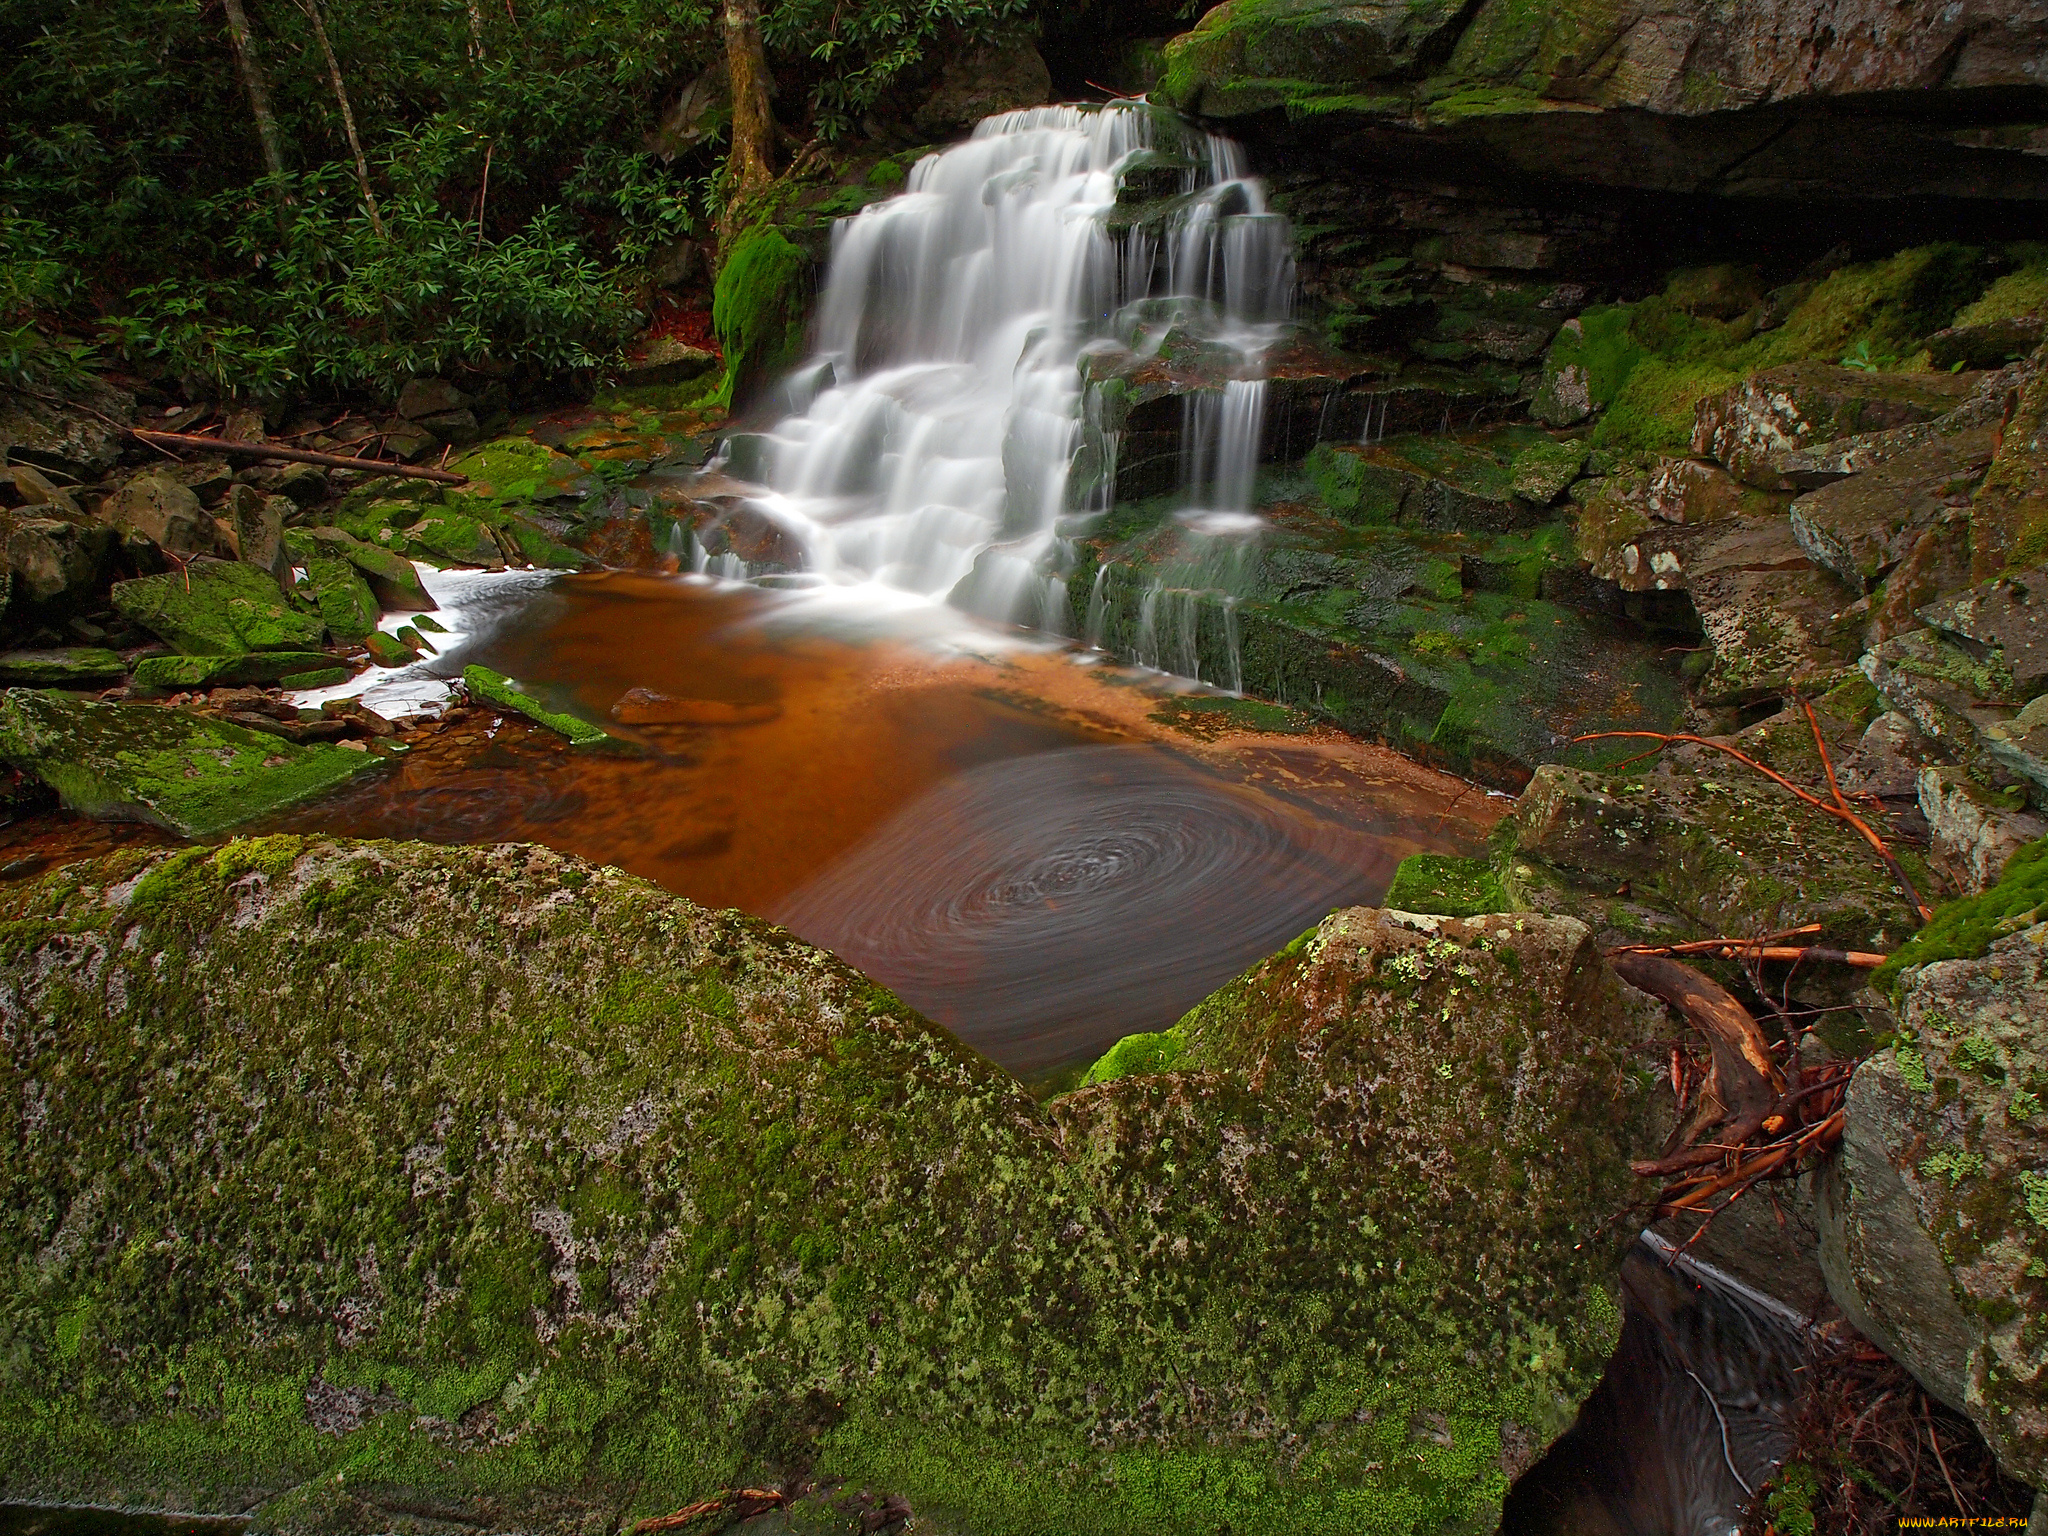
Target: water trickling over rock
937	444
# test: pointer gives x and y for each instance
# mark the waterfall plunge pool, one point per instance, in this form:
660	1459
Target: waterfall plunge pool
1037	848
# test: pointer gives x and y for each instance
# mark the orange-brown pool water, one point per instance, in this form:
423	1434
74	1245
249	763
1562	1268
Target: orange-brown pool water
1039	851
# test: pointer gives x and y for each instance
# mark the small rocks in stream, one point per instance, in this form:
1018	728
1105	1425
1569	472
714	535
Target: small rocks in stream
643	706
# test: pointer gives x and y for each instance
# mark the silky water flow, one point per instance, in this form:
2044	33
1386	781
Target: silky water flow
932	439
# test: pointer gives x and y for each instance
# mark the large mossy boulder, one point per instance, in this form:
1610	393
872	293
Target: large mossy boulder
359	1186
218	608
171	769
759	307
1934	1219
1696	844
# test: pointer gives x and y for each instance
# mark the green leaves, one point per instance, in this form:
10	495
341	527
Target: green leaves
329	302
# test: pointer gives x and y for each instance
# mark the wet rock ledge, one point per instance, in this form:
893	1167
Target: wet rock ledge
372	1186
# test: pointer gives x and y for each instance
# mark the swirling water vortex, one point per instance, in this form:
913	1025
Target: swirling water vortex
1042	907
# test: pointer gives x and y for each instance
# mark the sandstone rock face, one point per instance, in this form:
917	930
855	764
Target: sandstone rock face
2009	520
437	1184
2008	620
1935	1218
1784	409
1862	527
1974	834
1773	620
1694	57
981	81
1637	94
1702	839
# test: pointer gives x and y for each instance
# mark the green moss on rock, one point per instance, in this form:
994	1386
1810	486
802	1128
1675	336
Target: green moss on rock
758	308
1430	882
1153	1052
217	608
123	762
1964	929
498	689
414	1182
84	666
170	672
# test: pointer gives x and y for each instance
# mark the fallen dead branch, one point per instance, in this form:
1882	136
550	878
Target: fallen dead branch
1745	1080
1764	1125
1742	949
1839	810
741	1503
293	455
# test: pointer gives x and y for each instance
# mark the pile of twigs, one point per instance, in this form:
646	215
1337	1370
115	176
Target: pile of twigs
1869	1446
1741	1118
1802	1127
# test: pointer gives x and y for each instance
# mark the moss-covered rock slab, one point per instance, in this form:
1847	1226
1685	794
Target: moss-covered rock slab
218	608
347	605
356	1185
209	671
83	666
392	578
496	688
132	762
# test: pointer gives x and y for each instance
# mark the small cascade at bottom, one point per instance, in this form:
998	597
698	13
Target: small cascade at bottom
1185	618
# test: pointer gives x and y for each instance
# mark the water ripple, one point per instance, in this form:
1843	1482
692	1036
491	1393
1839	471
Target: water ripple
1044	906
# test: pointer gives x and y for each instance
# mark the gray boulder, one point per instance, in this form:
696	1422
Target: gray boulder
81	439
1935	1217
167	514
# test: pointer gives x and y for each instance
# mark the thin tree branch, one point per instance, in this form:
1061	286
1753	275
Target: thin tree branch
348	116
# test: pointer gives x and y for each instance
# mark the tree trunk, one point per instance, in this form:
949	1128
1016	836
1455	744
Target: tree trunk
348	116
753	128
256	85
476	29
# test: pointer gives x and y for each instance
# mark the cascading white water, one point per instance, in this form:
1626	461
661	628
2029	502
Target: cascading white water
935	427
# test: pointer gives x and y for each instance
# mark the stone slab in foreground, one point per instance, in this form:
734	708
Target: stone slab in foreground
369	1186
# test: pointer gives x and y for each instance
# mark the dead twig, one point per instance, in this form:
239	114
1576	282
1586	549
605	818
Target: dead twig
1708	946
1737	949
294	455
1840	812
744	1502
1746	1079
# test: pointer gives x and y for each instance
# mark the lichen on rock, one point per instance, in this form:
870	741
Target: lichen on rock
480	1184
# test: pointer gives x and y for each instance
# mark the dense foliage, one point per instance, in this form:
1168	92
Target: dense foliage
512	151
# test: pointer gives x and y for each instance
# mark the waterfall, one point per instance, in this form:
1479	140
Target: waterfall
934	430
